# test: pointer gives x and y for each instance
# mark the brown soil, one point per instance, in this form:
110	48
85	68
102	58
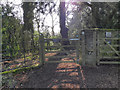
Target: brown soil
71	75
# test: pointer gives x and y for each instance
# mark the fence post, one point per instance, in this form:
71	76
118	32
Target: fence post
41	49
83	46
77	51
94	47
98	47
80	48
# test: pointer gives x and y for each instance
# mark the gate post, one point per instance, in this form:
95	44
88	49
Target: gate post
98	46
83	46
89	47
77	51
41	49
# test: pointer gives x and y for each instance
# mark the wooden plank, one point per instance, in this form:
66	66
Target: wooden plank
64	39
56	38
60	62
108	51
60	56
109	62
77	51
60	51
59	46
112	48
83	47
111	45
80	48
112	38
95	46
107	57
104	30
68	45
98	47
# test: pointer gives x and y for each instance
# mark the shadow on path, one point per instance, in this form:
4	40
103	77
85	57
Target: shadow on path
72	75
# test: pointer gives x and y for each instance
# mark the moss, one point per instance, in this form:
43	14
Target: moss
20	69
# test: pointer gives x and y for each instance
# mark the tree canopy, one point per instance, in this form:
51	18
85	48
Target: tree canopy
70	18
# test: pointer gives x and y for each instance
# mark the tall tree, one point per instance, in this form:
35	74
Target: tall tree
28	16
96	15
64	30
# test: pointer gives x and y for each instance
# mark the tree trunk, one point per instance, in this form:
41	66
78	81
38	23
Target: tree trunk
64	30
28	16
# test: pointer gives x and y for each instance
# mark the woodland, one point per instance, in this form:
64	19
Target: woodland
24	23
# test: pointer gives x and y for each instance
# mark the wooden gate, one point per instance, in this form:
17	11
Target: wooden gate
108	46
100	46
55	52
95	46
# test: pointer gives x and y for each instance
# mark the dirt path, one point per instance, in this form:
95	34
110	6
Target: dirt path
72	75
